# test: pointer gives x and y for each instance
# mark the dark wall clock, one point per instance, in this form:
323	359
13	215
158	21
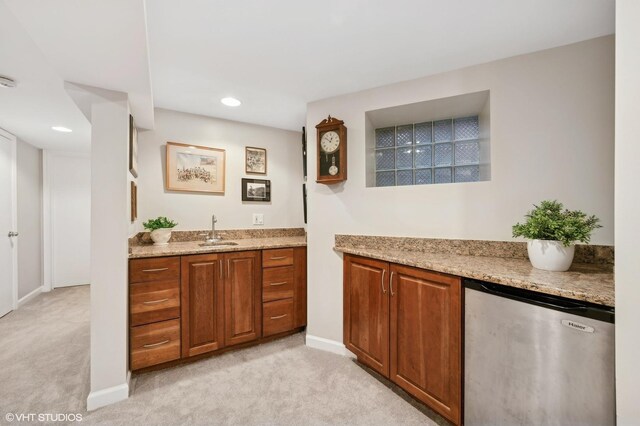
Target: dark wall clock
332	151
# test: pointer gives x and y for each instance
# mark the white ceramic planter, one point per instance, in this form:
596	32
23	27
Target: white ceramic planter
161	236
550	255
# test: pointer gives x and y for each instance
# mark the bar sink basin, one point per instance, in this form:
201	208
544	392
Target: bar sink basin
218	243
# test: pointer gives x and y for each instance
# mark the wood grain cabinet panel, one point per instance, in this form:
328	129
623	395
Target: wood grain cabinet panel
154	301
366	311
202	304
243	304
300	286
277	283
154	269
425	336
155	343
278	316
277	257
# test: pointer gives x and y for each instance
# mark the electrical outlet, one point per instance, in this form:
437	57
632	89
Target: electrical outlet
258	219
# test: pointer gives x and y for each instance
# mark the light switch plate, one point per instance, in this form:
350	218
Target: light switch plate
258	219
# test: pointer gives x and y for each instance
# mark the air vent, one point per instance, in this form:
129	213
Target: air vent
7	82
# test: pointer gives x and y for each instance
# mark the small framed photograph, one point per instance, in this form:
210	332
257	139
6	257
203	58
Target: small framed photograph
256	160
194	168
134	201
256	190
133	147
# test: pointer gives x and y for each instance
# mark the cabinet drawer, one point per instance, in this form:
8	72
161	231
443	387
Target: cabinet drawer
277	257
155	343
277	317
154	301
277	283
154	269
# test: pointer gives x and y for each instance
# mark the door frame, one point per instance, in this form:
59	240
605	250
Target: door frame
14	213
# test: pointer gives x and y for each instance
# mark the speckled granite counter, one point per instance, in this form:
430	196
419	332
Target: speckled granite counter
588	282
193	247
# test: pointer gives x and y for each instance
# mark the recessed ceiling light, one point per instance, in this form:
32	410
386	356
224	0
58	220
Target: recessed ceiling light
229	101
7	82
62	129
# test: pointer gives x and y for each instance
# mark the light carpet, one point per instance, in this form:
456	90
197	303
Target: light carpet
45	359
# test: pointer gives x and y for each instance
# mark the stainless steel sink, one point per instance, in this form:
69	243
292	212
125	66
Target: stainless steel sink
218	243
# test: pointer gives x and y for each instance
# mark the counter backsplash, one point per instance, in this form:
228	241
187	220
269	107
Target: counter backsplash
144	238
507	249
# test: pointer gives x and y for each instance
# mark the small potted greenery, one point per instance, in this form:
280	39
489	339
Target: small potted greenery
160	230
552	231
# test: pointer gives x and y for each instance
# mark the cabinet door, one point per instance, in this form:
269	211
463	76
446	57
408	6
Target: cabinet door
426	330
202	304
300	289
243	297
366	311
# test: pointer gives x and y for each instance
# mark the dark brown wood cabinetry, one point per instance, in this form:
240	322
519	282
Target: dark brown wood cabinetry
406	324
184	306
242	304
202	287
366	311
284	290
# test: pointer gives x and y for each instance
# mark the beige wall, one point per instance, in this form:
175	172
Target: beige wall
552	133
627	211
29	173
194	210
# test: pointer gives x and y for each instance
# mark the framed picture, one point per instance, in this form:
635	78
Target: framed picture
134	201
194	168
255	160
256	190
133	147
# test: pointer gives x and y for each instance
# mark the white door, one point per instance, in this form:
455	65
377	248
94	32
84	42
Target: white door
8	243
70	194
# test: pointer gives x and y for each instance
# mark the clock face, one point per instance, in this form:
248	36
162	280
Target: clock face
330	142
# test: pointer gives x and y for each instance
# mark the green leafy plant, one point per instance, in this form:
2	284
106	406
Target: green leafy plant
159	223
551	221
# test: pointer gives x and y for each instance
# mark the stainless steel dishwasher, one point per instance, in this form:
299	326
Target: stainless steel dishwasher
536	359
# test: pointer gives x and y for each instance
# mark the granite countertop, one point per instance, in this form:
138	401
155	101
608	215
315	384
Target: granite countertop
587	282
193	247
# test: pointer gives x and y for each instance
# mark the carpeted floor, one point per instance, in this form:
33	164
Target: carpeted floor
45	359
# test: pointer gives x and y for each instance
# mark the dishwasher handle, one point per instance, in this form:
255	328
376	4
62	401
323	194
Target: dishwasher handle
558	303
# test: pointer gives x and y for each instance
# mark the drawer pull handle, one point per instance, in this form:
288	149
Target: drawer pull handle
153	302
153	345
279	258
274	284
279	316
155	270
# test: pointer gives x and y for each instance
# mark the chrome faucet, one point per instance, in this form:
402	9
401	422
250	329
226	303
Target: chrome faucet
212	235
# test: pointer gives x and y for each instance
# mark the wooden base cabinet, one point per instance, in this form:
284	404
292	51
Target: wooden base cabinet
202	286
406	323
184	306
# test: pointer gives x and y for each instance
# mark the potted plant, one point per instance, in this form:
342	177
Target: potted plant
552	231
160	230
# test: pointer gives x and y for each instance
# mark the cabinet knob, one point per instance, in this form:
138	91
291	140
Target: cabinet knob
12	234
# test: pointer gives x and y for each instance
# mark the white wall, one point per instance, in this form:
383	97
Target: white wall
68	218
109	248
29	181
627	211
194	210
552	123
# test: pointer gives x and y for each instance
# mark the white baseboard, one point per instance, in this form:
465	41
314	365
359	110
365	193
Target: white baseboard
108	396
29	296
327	345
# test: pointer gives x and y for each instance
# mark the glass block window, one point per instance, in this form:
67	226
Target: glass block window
442	151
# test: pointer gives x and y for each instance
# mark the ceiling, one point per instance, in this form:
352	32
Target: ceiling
274	56
39	101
